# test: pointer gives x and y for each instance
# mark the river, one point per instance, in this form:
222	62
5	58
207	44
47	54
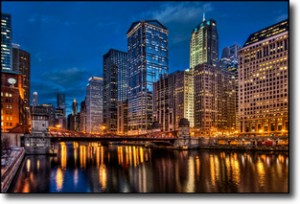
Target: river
95	167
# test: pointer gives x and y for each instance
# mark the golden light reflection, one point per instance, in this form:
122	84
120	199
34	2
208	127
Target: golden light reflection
212	170
190	186
38	164
82	157
28	164
98	156
63	153
26	188
59	178
235	170
103	176
261	172
75	146
198	163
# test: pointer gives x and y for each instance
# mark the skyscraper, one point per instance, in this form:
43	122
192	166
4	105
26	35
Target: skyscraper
204	44
74	107
214	100
6	43
148	59
94	104
35	99
82	117
21	64
115	86
263	81
61	101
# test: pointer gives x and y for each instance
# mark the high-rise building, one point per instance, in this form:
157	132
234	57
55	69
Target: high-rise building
21	64
263	81
204	44
231	52
82	117
115	86
214	100
74	107
6	42
182	96
173	99
229	61
35	99
148	59
73	120
94	104
61	101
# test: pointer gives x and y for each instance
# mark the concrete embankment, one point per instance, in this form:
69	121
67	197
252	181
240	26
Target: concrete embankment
9	171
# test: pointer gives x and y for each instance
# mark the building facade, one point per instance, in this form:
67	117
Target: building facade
6	42
148	59
82	117
94	104
214	100
21	64
173	99
263	81
115	87
13	111
204	47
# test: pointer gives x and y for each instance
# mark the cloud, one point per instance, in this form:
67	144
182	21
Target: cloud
71	81
281	18
180	12
66	77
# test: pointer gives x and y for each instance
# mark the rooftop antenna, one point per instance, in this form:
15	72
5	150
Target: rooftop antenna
203	17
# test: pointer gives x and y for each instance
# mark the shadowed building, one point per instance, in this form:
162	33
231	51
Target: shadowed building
214	100
148	59
21	65
115	88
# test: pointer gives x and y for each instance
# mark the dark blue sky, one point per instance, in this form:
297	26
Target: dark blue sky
66	40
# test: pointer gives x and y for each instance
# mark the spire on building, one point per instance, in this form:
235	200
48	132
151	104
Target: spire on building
203	19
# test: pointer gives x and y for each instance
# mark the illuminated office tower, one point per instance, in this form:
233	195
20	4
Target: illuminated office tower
263	81
204	44
21	64
6	43
148	59
94	104
115	87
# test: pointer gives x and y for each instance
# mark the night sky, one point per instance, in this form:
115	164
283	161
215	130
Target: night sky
67	40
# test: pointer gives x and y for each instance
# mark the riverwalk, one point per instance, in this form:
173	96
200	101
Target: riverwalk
9	171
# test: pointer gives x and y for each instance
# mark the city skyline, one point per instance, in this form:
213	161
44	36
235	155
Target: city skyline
58	61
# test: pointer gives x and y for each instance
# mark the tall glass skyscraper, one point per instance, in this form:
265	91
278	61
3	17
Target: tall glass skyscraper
6	43
115	85
148	59
204	44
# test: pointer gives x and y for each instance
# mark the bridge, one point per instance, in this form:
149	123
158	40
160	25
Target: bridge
57	134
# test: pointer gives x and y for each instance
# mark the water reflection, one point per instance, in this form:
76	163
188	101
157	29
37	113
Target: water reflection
96	167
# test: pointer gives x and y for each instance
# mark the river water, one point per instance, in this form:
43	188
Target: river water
95	167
